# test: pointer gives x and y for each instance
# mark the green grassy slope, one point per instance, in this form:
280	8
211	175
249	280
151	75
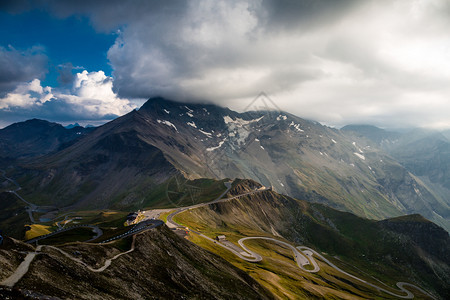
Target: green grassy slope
369	249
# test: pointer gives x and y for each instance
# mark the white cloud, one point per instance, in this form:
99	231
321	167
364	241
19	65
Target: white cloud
91	97
93	91
26	95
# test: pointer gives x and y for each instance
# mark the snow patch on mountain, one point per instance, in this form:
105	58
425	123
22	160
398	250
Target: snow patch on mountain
359	149
166	111
192	124
239	122
205	133
296	126
236	128
217	147
360	156
165	122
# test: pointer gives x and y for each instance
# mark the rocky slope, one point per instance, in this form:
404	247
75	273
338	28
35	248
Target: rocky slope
424	153
162	266
13	216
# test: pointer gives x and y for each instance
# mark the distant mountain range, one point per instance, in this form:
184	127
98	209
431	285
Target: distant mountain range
425	153
357	169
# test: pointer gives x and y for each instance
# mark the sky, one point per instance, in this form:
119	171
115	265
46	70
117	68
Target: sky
379	62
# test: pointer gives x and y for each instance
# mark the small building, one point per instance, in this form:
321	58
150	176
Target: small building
221	238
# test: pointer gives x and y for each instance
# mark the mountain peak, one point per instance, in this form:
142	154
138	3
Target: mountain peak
70	126
33	123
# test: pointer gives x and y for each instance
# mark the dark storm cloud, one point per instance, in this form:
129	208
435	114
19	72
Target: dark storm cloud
305	14
170	48
19	66
347	61
107	15
65	75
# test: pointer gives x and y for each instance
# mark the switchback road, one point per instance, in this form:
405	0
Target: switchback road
303	255
22	269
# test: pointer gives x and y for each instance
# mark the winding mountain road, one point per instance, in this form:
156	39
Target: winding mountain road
400	285
22	269
31	207
107	262
303	255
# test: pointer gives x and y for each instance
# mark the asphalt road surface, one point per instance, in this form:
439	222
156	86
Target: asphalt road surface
98	232
139	227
